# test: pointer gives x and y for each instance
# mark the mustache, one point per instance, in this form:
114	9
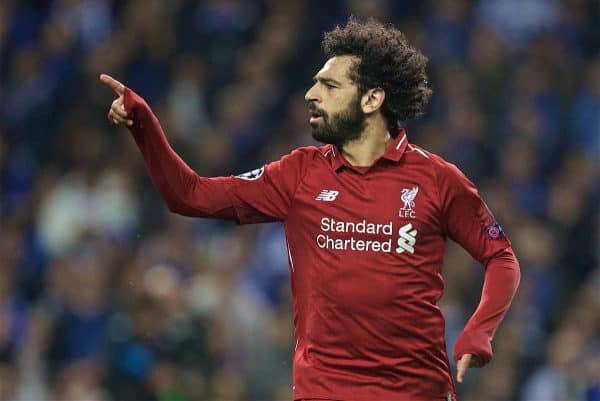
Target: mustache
314	109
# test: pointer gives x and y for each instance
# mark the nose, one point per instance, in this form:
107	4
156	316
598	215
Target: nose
311	95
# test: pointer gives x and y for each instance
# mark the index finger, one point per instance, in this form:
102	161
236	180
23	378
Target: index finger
462	366
118	87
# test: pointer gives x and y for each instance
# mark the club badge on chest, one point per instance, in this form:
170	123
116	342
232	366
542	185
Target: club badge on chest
408	198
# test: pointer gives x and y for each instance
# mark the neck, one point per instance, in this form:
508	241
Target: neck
370	146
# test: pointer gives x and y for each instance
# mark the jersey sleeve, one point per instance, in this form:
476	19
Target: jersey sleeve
267	193
466	218
262	195
468	221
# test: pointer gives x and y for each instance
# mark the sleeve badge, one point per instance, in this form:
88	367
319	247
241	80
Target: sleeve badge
252	175
494	231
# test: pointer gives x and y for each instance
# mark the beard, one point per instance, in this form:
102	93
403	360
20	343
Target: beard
341	127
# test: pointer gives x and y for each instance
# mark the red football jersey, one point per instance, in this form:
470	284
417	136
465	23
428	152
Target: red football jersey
365	252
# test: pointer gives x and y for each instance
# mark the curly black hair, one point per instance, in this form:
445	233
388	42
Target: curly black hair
387	61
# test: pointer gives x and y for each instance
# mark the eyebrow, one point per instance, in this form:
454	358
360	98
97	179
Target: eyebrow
326	80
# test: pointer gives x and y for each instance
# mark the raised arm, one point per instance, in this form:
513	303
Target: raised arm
259	196
184	191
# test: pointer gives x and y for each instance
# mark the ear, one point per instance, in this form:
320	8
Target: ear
372	100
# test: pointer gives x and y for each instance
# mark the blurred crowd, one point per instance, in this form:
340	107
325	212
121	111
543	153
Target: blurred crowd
105	296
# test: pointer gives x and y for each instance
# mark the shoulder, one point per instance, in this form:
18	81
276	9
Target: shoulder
304	152
310	153
316	151
443	171
441	166
302	155
415	153
296	161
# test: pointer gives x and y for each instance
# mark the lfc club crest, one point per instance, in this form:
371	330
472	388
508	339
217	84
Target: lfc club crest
408	197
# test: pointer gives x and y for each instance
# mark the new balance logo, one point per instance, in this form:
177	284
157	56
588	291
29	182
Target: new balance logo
407	239
327	195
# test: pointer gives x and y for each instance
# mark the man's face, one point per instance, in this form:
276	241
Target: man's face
336	115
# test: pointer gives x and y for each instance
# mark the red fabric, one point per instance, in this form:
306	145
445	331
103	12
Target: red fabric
466	217
366	249
500	283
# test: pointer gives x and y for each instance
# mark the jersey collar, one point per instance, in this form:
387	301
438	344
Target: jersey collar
394	152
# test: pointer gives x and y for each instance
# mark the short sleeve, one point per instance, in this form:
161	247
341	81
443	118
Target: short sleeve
466	218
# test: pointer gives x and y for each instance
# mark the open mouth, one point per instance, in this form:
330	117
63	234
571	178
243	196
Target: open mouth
315	116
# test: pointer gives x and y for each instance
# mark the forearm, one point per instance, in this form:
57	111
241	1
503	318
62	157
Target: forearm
502	276
184	191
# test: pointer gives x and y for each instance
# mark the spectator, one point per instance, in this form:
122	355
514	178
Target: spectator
103	297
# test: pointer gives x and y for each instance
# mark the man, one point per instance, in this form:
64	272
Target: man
366	219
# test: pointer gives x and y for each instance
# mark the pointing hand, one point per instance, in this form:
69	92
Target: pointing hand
117	114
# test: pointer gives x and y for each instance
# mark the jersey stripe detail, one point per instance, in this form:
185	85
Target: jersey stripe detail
400	143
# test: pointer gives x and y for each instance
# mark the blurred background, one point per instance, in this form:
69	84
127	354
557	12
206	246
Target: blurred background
105	296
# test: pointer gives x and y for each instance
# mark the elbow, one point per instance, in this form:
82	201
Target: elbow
175	207
516	267
507	263
180	202
182	208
